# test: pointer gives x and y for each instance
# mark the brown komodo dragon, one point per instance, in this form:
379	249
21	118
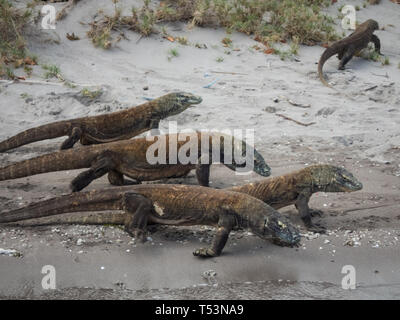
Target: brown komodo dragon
110	127
180	205
130	158
297	188
352	44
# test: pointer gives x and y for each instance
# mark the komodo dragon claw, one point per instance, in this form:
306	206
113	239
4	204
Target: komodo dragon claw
204	253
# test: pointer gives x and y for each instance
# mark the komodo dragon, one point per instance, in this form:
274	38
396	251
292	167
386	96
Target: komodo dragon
347	47
297	188
180	205
130	158
110	127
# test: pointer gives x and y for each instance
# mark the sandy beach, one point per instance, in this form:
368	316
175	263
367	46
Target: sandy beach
248	89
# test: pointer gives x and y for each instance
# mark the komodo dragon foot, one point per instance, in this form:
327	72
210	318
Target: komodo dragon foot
313	227
138	209
76	134
117	179
315	213
204	253
225	225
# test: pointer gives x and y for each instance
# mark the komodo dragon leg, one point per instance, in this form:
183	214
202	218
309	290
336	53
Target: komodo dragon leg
377	43
225	225
340	54
348	54
154	123
306	213
117	179
137	209
103	164
203	174
76	134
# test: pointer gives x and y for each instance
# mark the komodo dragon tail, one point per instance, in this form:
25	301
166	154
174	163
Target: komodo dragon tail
47	131
57	161
329	52
75	202
93	218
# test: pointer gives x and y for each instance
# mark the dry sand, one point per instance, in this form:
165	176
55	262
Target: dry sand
362	135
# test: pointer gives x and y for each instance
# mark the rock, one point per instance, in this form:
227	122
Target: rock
10	252
270	109
325	111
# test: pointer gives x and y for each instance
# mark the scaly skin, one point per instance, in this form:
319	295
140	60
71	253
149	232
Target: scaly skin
179	205
110	127
130	158
297	188
347	47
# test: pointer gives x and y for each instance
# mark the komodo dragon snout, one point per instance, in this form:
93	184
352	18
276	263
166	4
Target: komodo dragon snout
279	230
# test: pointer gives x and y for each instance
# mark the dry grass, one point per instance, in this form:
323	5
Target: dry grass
267	20
103	29
13	51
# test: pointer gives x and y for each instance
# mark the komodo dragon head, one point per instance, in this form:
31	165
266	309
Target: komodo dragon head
329	178
280	230
272	226
259	165
176	102
372	24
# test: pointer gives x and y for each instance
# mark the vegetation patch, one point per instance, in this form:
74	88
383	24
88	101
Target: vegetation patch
172	53
102	29
268	21
13	51
370	54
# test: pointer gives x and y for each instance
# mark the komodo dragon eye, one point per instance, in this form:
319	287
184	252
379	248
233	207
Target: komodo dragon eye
265	226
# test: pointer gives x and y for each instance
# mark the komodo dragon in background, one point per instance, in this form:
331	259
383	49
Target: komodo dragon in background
297	188
130	158
110	127
352	44
180	205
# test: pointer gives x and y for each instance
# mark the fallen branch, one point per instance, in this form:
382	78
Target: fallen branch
381	75
47	83
373	207
296	104
140	38
295	121
371	88
234	73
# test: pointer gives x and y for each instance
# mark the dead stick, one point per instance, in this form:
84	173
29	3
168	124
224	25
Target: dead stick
234	73
46	83
373	207
298	122
371	88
